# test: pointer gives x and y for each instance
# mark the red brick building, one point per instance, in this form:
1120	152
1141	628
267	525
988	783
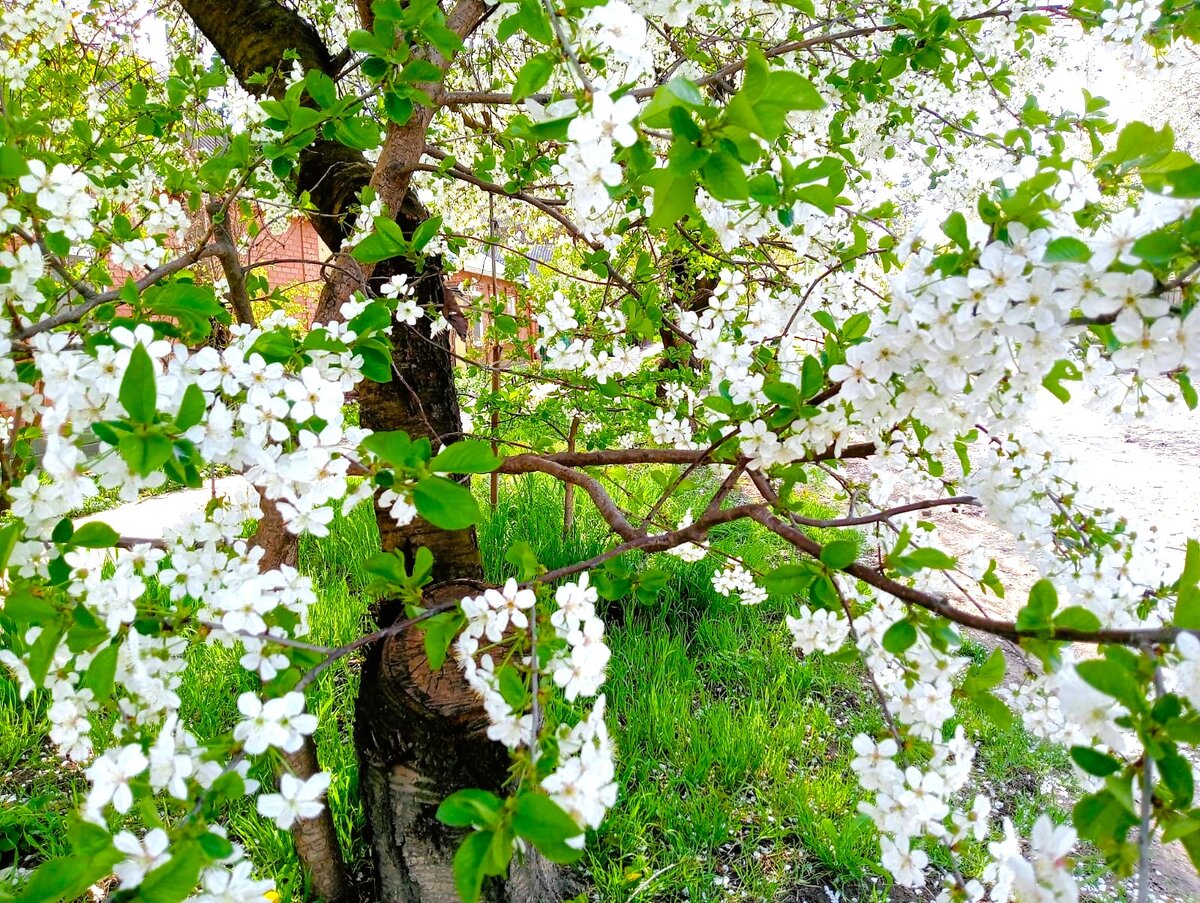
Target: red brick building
293	261
293	258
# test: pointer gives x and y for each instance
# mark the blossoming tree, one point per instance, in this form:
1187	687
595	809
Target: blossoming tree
792	234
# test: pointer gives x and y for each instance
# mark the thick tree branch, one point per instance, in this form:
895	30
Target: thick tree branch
940	605
79	311
608	509
625	457
225	250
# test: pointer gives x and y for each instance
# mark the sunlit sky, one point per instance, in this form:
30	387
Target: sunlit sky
1094	66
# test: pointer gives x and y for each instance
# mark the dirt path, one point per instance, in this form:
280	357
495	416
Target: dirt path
1152	469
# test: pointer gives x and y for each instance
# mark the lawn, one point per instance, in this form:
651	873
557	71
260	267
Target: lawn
733	752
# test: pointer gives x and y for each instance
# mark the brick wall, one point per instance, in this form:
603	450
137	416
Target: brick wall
295	256
483	289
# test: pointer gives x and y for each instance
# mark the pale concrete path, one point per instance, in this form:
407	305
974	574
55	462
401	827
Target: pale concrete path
151	518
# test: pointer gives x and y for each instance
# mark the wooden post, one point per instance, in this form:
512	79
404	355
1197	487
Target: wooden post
569	491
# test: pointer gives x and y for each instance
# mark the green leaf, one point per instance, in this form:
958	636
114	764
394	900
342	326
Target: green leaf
840	553
358	132
1103	818
100	673
1158	247
138	393
767	96
63	531
439	632
789	579
465	457
377	358
650	583
987	675
1191	843
445	504
420	71
547	826
1191	564
144	452
534	75
1140	145
87	631
215	846
1121	788
191	408
426	232
1094	762
725	178
386	241
994	709
376	247
471	864
67	878
1062	370
924	559
26	607
674	197
1113	680
783	394
1066	249
819	196
1043	600
275	346
1077	618
678	93
95	535
397	449
521	555
9	534
991	580
41	653
934	559
193	307
176	878
899	637
531	19
1177	775
12	164
470	807
1190	397
320	87
444	40
955	228
1177	830
812	377
399	109
88	839
856	327
512	687
422	565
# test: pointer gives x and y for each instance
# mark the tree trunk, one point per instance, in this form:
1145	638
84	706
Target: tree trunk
420	735
315	838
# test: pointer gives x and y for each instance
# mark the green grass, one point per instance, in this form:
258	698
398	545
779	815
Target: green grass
733	753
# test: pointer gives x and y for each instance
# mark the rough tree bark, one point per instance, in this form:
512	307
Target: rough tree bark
315	838
420	735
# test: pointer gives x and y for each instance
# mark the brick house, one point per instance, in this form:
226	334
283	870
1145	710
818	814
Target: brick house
293	261
292	258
